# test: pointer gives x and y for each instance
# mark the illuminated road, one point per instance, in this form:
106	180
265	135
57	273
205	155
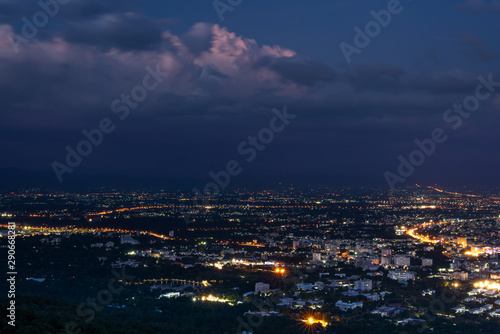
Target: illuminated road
461	194
425	238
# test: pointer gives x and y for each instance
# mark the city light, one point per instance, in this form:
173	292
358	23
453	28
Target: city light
312	321
487	285
475	254
212	298
239	275
279	270
413	233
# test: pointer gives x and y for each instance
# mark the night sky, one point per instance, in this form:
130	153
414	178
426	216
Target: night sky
64	74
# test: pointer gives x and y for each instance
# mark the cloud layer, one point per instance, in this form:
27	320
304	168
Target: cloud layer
220	88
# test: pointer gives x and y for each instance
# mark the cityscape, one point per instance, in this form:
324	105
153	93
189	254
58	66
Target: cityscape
423	259
249	167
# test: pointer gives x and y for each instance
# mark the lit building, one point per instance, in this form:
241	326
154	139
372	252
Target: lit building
261	288
460	275
343	306
127	239
170	295
305	286
401	275
400	230
316	257
462	241
386	252
426	262
401	261
363	285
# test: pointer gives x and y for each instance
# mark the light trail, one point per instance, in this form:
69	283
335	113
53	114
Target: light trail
461	194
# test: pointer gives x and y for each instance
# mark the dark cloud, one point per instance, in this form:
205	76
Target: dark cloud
126	31
302	71
198	38
478	48
449	82
377	77
212	70
12	11
222	87
89	9
396	80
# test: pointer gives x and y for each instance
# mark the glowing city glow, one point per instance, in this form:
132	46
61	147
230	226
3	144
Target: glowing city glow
487	285
311	321
212	298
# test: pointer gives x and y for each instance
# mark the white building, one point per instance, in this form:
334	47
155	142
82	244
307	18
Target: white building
305	286
319	285
343	306
429	292
286	302
402	261
384	311
372	297
482	309
127	239
363	285
316	257
426	262
401	275
459	309
170	295
261	288
495	313
460	275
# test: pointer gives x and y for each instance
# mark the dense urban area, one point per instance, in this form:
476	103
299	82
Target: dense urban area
286	260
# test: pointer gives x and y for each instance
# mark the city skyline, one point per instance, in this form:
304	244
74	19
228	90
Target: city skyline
249	167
